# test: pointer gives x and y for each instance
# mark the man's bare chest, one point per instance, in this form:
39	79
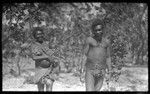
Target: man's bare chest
97	52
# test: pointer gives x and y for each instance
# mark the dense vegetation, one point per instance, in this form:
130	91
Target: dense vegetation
66	25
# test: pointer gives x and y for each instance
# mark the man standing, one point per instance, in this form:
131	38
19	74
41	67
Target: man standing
98	60
44	64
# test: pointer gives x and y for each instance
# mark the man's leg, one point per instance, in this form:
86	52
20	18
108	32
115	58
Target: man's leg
89	80
40	86
98	83
49	85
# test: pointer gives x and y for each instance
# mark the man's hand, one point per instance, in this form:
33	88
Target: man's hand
108	74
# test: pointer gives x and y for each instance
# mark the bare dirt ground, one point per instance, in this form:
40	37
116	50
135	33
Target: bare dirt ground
131	79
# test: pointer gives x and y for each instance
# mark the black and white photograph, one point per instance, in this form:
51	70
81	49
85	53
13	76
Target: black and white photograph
84	46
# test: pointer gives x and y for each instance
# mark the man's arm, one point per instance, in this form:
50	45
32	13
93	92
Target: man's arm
89	41
108	58
85	52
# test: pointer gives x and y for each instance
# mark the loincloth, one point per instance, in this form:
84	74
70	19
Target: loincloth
95	64
95	67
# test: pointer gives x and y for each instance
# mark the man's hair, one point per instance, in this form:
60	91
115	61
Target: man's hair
35	31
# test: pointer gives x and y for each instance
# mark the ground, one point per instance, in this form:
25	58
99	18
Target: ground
131	79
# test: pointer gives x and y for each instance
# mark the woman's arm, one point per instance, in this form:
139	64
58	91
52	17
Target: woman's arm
35	57
85	50
37	52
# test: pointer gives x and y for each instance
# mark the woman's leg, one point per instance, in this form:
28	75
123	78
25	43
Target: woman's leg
89	80
49	85
40	86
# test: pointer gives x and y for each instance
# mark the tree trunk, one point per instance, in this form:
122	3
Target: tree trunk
140	34
140	50
18	65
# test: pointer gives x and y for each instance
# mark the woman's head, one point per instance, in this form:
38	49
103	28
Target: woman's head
38	34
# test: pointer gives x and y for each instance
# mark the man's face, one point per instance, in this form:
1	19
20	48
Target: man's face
39	36
98	32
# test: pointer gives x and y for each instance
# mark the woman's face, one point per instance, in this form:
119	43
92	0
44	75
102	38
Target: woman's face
98	29
39	36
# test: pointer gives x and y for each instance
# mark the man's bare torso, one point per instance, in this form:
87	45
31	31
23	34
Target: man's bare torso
97	52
